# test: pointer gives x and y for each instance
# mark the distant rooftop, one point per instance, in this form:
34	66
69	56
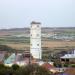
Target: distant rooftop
72	55
68	56
33	22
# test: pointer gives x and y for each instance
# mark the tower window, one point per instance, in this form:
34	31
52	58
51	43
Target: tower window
37	25
37	34
37	44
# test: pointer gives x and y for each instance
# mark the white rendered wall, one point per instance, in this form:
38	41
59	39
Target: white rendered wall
35	41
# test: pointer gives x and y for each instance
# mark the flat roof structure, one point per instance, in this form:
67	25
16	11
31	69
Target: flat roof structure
68	56
33	22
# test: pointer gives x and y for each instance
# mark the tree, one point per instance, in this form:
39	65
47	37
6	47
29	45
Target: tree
15	66
33	70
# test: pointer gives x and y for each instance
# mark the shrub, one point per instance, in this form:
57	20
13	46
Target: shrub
2	66
15	66
57	65
32	70
72	65
5	70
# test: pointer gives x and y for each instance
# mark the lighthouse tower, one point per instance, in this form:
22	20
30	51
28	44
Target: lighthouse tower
35	40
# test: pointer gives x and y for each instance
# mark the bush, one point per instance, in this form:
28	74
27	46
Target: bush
26	70
66	65
32	70
2	66
5	70
57	64
15	66
72	65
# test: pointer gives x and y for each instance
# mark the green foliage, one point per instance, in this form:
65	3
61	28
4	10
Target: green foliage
72	65
2	66
57	64
33	69
15	66
5	70
66	65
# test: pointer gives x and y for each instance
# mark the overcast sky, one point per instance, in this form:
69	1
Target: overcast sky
52	13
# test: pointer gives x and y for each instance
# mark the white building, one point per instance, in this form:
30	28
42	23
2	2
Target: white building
69	57
35	40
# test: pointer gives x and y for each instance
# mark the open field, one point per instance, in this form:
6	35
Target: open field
49	44
52	38
52	44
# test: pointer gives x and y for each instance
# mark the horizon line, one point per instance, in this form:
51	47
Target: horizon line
41	27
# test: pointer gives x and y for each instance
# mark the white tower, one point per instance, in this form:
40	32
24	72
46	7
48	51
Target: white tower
35	40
